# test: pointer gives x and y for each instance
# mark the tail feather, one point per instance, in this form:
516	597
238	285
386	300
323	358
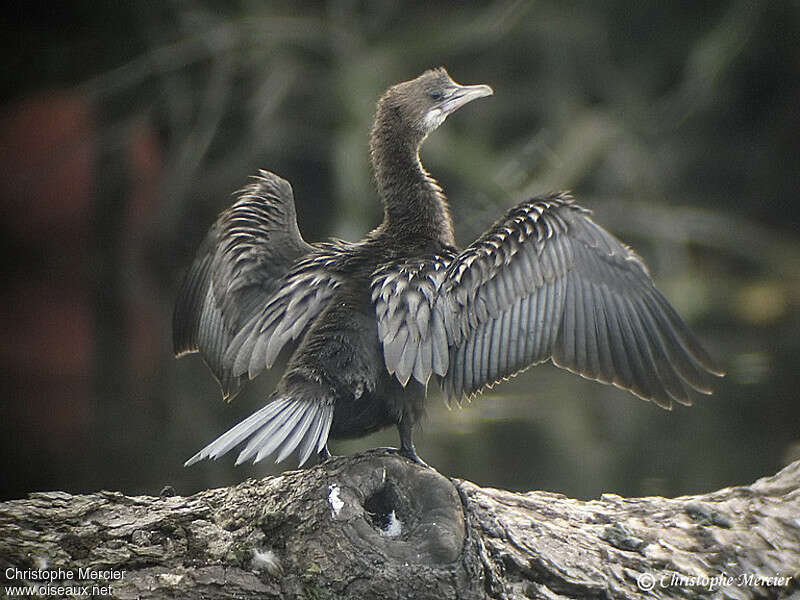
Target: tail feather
297	435
281	426
312	439
267	440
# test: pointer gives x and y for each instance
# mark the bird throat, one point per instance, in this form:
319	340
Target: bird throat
415	206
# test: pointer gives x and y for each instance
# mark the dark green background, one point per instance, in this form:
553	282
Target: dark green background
125	128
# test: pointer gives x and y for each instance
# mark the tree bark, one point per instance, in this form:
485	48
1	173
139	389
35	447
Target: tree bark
377	526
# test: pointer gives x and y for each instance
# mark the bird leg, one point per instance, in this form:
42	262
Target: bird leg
406	429
406	448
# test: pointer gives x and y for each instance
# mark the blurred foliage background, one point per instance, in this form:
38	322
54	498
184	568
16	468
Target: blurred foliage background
125	127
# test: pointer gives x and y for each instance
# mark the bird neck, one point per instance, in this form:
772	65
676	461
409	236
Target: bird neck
415	208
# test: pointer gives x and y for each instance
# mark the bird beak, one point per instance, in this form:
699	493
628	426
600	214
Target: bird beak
462	94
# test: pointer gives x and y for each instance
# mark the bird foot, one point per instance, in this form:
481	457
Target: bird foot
410	454
413	456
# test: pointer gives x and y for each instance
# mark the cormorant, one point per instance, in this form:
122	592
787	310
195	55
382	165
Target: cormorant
376	319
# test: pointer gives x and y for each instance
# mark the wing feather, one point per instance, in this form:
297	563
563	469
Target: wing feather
642	374
503	343
525	342
568	354
666	371
241	262
589	339
495	346
619	356
545	282
607	373
410	327
304	293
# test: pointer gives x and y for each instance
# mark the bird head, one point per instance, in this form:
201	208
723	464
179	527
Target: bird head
422	104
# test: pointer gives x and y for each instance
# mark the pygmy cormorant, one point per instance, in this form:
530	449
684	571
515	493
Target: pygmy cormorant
377	318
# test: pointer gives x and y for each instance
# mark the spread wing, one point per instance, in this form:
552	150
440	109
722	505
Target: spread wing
304	293
241	263
545	282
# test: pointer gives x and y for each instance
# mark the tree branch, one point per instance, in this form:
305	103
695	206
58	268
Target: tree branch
375	525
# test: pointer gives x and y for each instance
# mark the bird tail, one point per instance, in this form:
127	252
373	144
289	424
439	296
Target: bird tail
281	426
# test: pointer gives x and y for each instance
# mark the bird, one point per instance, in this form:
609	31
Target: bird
373	322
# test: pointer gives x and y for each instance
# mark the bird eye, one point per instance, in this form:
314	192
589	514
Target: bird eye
437	95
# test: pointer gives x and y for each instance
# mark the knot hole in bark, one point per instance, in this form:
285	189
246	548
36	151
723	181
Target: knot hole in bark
387	511
411	513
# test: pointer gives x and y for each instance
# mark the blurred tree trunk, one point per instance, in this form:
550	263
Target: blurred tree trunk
377	526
